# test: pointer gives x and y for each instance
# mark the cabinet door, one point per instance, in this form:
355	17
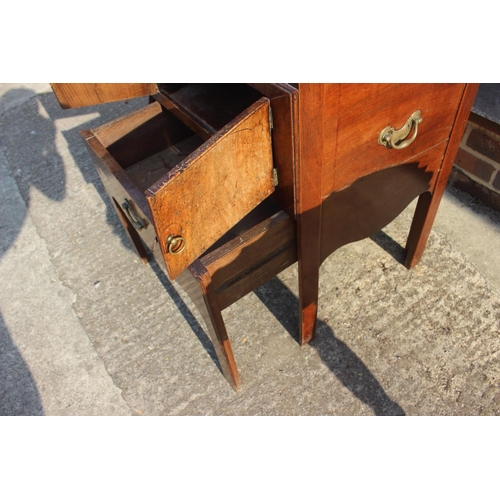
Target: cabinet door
212	189
77	95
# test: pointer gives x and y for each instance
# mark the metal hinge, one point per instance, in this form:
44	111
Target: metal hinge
275	172
275	177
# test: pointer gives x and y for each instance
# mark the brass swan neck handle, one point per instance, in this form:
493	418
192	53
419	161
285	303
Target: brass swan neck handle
398	139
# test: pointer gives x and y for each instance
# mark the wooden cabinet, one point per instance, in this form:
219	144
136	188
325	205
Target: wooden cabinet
228	184
349	184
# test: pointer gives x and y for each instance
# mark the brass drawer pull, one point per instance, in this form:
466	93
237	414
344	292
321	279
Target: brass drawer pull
136	221
397	139
175	244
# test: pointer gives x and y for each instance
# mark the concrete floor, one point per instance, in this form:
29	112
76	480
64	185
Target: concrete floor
85	329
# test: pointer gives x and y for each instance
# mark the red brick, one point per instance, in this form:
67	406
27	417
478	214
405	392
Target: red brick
476	166
485	195
496	180
487	145
490	126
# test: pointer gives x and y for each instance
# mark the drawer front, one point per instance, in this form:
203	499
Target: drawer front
354	116
213	188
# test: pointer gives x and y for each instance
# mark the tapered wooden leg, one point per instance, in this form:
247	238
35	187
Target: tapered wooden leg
308	299
421	226
309	199
428	203
308	256
308	244
197	283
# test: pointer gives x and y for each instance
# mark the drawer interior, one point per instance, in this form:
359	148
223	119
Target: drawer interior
148	144
151	169
208	106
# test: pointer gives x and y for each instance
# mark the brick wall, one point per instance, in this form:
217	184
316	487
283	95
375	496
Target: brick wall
476	168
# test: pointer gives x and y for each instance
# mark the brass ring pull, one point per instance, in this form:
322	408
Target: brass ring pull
397	139
176	244
136	221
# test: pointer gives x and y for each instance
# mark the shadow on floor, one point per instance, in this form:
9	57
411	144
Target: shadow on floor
389	245
18	392
186	313
335	354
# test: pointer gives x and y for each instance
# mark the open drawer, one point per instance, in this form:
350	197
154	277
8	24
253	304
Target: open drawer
191	189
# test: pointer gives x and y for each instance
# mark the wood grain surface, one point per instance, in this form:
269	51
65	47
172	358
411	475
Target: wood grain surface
77	95
428	203
215	187
353	116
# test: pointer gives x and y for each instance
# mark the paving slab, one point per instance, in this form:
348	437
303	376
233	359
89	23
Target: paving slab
48	365
91	330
